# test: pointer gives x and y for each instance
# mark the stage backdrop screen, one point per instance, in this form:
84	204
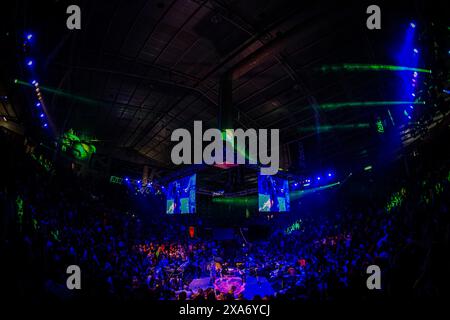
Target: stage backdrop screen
181	195
273	194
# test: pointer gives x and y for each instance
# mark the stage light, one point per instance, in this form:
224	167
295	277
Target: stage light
38	104
318	178
413	25
45	125
29	36
126	179
29	63
16	81
33	82
411	107
139	181
36	84
41	115
367	168
416	51
415	74
413	94
329	174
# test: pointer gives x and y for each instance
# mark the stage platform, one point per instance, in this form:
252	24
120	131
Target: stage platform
252	286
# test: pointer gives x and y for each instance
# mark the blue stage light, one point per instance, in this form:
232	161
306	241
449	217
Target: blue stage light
318	178
329	174
45	125
33	82
413	25
38	104
29	36
415	51
41	115
126	179
29	63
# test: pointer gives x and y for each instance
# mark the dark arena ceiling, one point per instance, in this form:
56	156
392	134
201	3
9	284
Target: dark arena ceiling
137	70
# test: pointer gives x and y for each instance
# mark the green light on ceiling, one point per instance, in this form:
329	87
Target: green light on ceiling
336	105
369	67
367	168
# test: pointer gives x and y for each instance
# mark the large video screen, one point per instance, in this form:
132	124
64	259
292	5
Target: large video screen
181	195
273	194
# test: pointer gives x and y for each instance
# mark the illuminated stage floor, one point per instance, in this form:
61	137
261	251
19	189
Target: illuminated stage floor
252	287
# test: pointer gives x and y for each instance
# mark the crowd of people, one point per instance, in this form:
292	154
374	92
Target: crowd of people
56	219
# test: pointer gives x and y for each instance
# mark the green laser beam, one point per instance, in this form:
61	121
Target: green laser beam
228	136
239	201
335	105
302	193
59	92
369	67
326	128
